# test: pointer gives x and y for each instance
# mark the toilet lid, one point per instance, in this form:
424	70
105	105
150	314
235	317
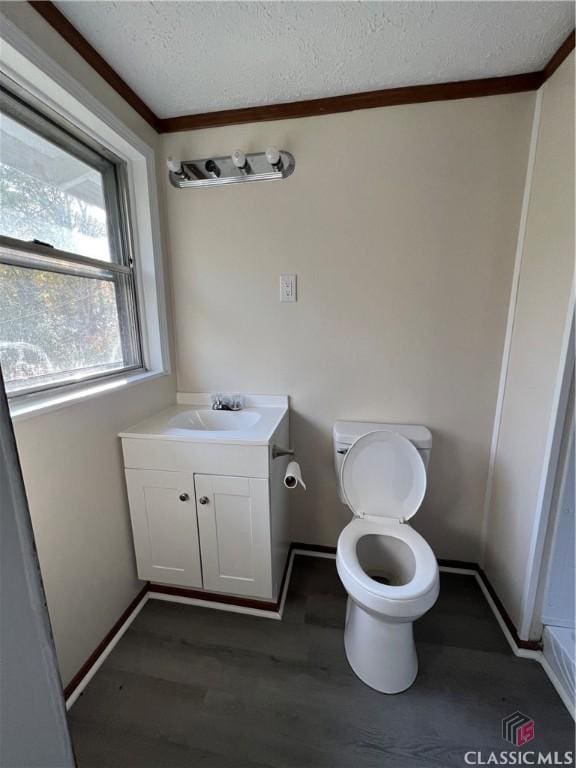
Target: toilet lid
383	475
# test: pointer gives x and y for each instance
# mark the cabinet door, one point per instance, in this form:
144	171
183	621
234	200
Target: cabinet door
234	524
164	525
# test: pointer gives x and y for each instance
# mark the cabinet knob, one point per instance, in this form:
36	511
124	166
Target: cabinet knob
184	497
203	499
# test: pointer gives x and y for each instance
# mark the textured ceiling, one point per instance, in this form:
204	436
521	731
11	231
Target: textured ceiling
193	57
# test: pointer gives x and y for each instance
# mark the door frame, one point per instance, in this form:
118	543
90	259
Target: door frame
557	508
34	727
530	623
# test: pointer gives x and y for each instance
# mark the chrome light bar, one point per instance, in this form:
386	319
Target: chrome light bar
231	169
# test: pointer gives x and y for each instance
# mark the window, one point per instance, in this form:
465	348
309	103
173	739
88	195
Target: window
67	284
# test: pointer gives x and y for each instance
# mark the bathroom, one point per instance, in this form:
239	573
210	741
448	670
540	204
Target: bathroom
423	246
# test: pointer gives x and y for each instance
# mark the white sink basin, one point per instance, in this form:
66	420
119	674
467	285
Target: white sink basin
192	420
214	421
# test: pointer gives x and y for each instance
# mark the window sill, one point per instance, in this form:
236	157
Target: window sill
54	401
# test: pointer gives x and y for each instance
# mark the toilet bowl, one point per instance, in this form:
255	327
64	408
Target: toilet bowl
388	569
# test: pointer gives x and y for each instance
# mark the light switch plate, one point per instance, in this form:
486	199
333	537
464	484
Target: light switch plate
288	288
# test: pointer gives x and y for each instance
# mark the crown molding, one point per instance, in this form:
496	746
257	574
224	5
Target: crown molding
387	97
561	54
74	38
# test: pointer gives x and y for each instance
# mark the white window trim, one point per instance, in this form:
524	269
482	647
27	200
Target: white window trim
31	68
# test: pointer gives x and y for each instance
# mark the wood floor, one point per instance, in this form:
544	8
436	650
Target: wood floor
191	686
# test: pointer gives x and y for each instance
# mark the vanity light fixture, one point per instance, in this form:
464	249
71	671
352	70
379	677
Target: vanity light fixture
239	160
213	169
274	158
175	167
274	164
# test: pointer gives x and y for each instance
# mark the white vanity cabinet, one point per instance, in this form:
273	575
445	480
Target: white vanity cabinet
164	528
209	511
234	526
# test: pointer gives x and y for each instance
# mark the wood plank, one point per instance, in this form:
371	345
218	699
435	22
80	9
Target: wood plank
228	690
387	97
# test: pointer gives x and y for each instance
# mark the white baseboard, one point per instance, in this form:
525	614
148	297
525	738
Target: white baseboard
454	569
277	615
151	595
314	553
231	607
286	584
105	653
523	653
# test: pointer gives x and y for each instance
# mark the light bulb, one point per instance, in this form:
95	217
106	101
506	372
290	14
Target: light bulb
174	165
238	158
273	157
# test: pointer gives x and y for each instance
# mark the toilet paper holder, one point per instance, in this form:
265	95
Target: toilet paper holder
277	452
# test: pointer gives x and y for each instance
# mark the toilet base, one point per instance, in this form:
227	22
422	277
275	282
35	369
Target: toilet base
381	653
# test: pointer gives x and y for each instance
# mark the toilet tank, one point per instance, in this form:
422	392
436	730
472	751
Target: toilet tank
347	432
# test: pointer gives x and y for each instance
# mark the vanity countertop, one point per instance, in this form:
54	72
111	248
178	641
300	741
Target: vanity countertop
193	420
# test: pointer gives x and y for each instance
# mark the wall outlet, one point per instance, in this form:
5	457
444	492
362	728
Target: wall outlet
288	288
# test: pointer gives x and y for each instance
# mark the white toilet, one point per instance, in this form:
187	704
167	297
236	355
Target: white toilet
387	568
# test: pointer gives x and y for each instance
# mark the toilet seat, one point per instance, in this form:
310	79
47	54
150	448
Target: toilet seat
383	479
403	600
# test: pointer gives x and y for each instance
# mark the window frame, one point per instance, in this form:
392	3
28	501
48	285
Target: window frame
122	267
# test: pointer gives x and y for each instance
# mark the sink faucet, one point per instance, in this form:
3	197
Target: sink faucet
226	403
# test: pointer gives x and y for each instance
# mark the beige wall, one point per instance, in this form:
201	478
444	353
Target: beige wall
72	465
401	224
71	458
544	293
